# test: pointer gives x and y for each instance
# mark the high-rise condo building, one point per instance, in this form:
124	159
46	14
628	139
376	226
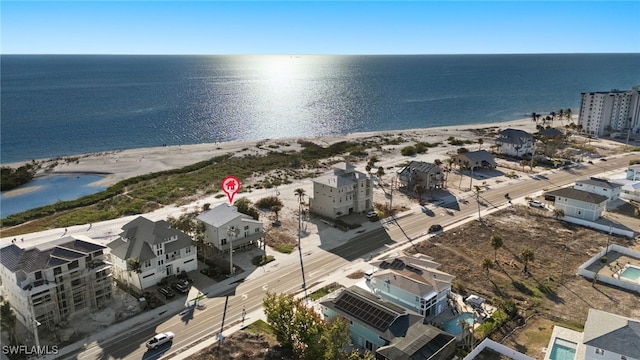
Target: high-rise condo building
615	111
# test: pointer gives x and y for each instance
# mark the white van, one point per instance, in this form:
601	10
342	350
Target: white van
369	273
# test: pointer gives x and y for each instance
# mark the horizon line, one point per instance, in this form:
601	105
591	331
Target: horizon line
322	54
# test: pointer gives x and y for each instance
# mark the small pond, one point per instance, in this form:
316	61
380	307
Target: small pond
46	191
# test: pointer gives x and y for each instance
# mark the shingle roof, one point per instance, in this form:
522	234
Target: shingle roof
421	342
615	333
37	258
221	215
514	136
599	182
580	195
418	166
550	132
139	235
478	157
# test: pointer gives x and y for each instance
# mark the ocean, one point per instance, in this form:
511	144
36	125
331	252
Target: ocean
63	105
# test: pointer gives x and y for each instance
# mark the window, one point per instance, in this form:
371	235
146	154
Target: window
246	227
147	263
223	241
74	264
369	345
38	275
57	270
257	230
160	262
599	352
188	250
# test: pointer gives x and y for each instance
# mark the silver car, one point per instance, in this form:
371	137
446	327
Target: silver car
536	204
159	339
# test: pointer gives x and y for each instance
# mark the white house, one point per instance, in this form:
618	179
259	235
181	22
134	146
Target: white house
475	159
226	227
342	191
413	282
514	142
389	331
609	189
426	174
159	249
578	203
606	336
49	282
633	172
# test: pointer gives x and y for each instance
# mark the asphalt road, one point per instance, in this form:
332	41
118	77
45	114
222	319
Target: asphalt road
319	263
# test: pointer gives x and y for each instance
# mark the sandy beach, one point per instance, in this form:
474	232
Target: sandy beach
119	165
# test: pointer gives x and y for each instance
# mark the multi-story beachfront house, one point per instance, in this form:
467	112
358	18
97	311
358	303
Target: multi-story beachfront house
386	329
420	173
633	172
606	336
475	159
48	283
148	251
611	111
514	142
225	228
413	282
599	186
342	191
578	203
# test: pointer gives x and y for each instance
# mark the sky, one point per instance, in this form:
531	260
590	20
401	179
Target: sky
318	27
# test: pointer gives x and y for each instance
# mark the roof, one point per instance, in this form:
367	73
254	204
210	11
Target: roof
34	259
550	132
418	166
514	136
580	195
417	276
599	182
615	333
382	317
343	174
478	156
139	235
421	342
221	215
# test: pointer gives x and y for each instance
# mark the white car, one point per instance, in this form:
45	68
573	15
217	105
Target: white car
159	339
536	204
372	214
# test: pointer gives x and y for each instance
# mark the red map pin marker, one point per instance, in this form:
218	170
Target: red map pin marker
230	186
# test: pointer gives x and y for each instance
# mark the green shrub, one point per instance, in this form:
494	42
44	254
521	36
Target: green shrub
408	151
268	202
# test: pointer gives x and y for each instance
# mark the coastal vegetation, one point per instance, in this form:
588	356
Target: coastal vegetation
11	178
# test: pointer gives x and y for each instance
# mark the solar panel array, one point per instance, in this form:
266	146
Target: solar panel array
375	316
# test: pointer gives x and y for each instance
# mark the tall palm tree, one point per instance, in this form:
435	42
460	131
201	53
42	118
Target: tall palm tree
480	142
535	117
380	174
478	190
561	115
487	264
527	256
553	116
8	322
568	114
419	190
496	243
558	213
276	209
133	266
301	193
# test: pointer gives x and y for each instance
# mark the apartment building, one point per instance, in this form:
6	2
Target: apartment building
341	191
148	251
47	283
615	111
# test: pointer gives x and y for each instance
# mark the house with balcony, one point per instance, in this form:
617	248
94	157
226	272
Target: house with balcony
604	187
420	173
386	329
578	203
473	160
413	282
47	283
147	251
606	336
515	142
341	191
226	228
633	172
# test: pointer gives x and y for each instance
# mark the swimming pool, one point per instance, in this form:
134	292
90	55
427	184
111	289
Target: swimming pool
452	326
563	350
631	272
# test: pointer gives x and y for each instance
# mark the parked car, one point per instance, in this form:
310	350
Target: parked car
181	286
435	228
159	339
603	159
167	292
536	204
372	214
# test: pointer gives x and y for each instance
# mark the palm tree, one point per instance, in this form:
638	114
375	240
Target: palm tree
553	115
478	190
496	243
568	114
487	264
301	193
560	115
419	190
558	213
8	321
480	142
523	163
380	174
535	117
527	256
276	209
133	266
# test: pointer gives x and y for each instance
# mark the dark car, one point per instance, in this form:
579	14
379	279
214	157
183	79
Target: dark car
167	292
182	286
435	228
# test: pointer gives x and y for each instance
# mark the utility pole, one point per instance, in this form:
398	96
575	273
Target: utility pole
35	323
231	232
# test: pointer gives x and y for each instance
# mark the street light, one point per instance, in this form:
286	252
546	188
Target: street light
231	233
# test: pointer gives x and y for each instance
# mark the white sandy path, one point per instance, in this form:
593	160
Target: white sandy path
119	165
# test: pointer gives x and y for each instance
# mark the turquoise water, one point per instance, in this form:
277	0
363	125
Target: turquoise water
452	326
563	350
631	273
49	190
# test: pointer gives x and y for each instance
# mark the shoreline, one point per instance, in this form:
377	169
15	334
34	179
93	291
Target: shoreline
118	165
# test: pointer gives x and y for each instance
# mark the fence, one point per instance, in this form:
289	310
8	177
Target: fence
602	227
582	270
